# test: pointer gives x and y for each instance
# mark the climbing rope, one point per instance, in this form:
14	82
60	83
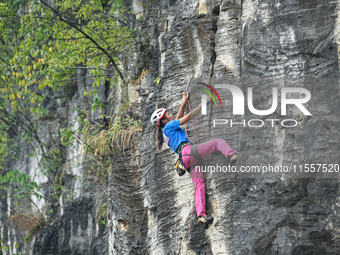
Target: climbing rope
193	202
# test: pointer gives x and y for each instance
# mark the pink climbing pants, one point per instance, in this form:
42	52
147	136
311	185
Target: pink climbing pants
197	176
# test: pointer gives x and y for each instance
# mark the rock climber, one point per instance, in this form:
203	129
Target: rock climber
169	130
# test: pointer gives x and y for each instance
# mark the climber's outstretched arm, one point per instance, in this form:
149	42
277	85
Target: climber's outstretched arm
182	108
192	114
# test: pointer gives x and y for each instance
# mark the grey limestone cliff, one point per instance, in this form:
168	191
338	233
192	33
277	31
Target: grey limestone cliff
247	43
259	44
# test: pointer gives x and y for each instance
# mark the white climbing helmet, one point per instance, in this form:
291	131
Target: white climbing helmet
157	116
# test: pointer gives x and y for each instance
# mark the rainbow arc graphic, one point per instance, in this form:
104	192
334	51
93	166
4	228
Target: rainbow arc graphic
209	93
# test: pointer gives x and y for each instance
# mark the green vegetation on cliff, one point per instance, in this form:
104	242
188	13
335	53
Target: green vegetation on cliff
43	44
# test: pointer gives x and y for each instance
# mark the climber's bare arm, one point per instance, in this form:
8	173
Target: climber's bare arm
192	114
182	108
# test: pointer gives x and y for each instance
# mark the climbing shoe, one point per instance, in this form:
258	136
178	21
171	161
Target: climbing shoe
205	219
233	158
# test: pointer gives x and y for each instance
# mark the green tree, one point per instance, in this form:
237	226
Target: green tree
43	44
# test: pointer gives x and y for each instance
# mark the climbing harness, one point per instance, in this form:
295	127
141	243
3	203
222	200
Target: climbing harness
179	165
180	147
194	153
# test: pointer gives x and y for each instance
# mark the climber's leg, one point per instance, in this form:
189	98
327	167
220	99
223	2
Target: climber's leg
199	183
197	179
207	148
204	149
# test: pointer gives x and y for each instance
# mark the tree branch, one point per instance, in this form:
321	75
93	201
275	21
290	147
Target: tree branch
84	77
87	36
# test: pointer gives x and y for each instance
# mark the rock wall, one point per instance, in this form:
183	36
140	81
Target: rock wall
72	225
249	43
259	44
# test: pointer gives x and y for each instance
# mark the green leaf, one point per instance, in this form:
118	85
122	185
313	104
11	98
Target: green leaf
115	81
96	100
69	133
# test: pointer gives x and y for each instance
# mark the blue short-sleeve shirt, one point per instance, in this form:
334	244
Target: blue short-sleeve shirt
174	135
